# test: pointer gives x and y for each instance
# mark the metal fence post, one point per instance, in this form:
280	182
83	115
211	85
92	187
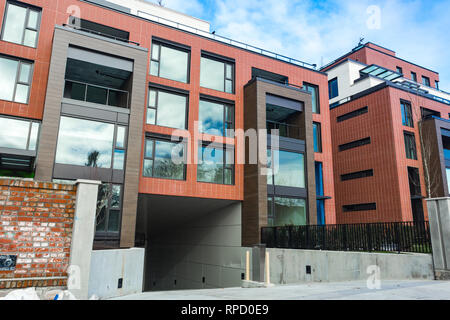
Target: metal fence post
397	237
369	238
344	227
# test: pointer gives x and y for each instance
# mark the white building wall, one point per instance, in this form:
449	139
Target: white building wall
347	73
151	11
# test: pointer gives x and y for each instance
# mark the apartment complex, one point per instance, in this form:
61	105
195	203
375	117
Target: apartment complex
389	125
117	91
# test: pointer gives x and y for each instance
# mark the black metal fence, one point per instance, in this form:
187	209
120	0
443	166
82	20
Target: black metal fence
371	237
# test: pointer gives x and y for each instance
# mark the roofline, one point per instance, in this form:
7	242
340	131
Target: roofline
381	86
175	11
330	65
214	40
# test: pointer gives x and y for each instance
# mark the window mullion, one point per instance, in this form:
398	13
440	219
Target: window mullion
27	16
19	67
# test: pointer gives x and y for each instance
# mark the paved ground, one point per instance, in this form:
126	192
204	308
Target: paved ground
390	290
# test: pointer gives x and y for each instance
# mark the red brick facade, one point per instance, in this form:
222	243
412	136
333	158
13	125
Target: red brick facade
36	222
386	155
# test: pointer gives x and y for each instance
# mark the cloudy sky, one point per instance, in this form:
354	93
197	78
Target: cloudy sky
320	31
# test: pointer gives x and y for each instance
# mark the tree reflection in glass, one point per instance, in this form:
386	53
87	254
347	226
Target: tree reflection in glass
85	143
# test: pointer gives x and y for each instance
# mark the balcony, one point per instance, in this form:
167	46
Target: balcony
96	94
285	130
91	81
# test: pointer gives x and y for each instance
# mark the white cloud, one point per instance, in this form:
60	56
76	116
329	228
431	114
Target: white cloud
311	30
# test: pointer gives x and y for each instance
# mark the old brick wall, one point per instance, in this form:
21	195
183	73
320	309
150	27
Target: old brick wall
36	222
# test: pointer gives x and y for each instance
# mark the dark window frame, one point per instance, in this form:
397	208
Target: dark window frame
359	207
114	144
319	148
357	175
406	109
226	62
307	85
17	78
355	144
158	88
155	138
430	111
410	145
331	93
413	76
426	81
106	234
352	114
174	46
29	8
272	211
232	166
227	105
400	70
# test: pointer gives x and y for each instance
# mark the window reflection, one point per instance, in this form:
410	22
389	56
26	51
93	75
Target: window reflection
21	25
14	133
14	23
215	165
164	159
287	212
216	75
85	143
169	63
215	118
8	73
288	169
167	109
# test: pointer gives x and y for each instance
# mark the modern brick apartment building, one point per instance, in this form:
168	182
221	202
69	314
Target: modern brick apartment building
384	163
96	90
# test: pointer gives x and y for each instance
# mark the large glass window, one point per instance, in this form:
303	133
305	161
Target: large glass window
217	75
286	212
169	62
164	159
215	164
109	208
167	109
410	146
320	192
287	169
216	118
333	88
15	79
314	90
85	143
407	118
21	24
18	134
317	132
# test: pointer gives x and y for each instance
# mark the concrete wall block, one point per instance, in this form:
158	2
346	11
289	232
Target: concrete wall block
108	266
439	216
289	266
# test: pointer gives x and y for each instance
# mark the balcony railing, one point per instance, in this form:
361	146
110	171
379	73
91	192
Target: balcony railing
286	130
234	43
96	94
98	33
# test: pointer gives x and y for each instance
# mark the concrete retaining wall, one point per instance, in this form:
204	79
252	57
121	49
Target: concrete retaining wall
289	266
108	266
